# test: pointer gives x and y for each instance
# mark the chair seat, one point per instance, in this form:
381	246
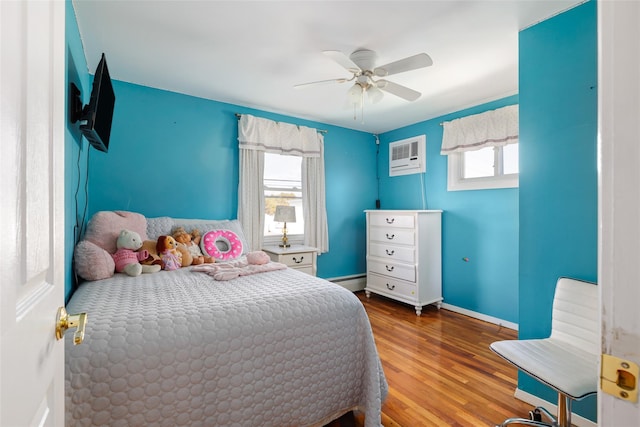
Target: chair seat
563	367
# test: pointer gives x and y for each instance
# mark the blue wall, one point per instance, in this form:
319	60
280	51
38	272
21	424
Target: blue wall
76	147
558	176
177	155
481	225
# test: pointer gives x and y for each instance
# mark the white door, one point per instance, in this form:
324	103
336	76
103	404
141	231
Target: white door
619	152
32	118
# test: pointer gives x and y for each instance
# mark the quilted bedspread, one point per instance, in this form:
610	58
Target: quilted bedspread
178	348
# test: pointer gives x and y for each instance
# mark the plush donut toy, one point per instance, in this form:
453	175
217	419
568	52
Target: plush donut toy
221	244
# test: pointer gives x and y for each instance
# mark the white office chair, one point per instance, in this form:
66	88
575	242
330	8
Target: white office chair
567	361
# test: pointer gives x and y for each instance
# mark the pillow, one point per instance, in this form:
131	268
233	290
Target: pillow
160	226
92	262
92	256
223	245
105	226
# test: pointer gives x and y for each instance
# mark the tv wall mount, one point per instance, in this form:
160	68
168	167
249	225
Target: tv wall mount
76	110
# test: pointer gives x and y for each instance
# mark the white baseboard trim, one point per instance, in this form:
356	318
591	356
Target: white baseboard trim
354	283
480	316
536	401
357	282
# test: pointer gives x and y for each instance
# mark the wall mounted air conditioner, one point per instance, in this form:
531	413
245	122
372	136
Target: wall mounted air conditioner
408	156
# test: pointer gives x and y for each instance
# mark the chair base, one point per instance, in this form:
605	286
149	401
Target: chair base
535	416
535	419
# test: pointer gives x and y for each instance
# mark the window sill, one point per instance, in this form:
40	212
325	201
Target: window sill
506	181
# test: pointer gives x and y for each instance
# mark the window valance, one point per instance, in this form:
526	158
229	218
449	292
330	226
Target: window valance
255	133
493	128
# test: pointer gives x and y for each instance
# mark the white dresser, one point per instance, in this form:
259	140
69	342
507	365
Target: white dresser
404	256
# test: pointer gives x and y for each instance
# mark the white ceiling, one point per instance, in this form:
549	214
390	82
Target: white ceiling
252	53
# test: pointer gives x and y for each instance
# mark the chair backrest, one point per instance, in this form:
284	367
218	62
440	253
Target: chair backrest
575	314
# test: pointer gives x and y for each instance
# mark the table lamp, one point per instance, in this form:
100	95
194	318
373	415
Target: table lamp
285	214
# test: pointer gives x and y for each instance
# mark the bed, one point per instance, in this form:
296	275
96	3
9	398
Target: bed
174	348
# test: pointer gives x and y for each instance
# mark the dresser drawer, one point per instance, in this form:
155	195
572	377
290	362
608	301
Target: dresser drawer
391	287
398	271
306	269
301	259
388	219
392	253
392	235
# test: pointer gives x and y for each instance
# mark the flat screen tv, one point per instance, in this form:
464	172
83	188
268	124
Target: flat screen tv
98	114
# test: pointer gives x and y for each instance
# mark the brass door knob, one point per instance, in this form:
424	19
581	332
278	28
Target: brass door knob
65	321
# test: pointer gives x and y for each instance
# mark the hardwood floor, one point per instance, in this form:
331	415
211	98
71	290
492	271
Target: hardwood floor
440	369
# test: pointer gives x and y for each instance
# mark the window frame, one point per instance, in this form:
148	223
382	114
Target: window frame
457	182
274	240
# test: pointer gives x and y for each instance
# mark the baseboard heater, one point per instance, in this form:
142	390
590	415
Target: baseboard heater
354	282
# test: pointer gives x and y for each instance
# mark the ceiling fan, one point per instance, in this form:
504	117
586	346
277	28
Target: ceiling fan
367	77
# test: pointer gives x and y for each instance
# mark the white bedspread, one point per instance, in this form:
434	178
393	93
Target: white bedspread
178	348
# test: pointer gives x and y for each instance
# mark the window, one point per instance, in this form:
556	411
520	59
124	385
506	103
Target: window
282	186
489	167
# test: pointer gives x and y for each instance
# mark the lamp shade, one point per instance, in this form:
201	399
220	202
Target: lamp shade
285	214
354	96
375	94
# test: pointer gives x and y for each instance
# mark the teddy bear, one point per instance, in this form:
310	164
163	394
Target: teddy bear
186	239
128	256
153	258
172	256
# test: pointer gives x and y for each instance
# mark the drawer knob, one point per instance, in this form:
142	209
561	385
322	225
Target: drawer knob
390	252
390	237
391	287
389	268
296	260
390	221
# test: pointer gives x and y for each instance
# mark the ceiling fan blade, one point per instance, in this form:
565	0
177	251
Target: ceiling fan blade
320	82
342	60
414	62
398	90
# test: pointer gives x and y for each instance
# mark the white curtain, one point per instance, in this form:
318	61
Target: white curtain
493	128
257	136
316	232
251	197
255	133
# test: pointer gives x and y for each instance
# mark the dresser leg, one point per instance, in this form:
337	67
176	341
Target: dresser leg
367	294
418	310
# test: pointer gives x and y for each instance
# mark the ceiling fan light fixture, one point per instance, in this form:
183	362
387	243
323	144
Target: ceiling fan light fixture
354	95
375	95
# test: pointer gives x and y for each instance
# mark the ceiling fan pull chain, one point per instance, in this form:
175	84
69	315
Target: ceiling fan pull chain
362	107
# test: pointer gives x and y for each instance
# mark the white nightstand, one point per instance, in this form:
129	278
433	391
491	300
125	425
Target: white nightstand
300	257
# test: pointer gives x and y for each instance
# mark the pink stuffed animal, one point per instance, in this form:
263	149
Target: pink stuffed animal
258	258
